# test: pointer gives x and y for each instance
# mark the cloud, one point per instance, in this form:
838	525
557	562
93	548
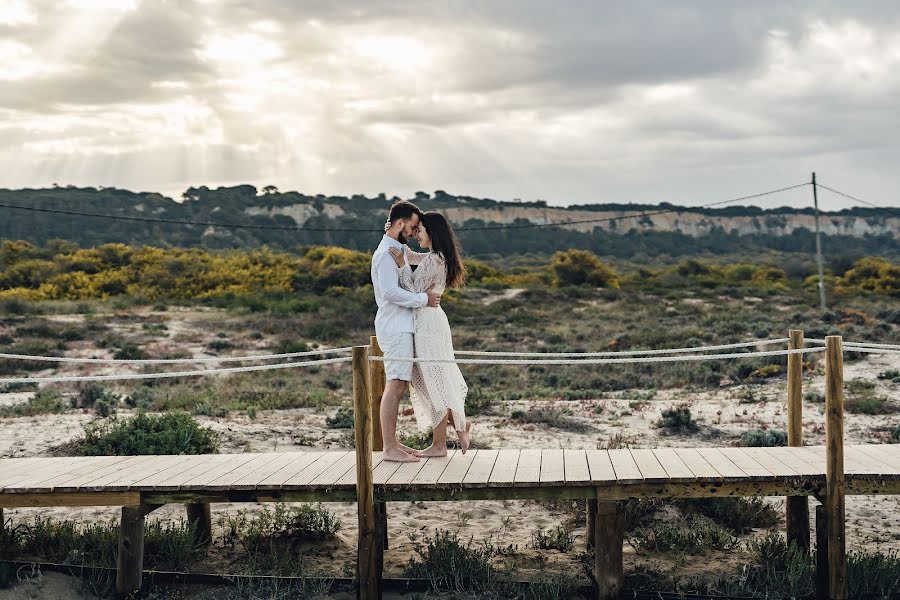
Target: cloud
571	102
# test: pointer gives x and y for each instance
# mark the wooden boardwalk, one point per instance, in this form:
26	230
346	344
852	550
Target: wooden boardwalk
330	476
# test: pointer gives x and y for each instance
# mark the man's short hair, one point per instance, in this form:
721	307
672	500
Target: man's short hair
403	209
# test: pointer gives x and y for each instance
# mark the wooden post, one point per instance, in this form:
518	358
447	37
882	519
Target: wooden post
796	507
369	578
821	553
130	559
591	517
201	517
376	389
834	467
609	531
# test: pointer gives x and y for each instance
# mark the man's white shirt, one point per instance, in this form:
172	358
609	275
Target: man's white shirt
394	303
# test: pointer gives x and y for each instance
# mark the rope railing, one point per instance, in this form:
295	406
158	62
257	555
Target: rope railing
628	352
857	344
127	376
160	361
597	361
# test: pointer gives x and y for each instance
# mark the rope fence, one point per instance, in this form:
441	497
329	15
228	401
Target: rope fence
687	354
125	376
171	361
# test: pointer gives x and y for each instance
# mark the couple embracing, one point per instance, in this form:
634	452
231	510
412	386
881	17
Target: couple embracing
411	324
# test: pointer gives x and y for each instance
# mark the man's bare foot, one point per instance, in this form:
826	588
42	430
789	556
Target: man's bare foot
398	455
464	437
433	451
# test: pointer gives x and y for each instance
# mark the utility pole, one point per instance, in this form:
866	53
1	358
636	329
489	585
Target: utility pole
819	248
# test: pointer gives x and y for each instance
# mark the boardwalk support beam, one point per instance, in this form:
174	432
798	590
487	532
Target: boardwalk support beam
796	507
369	547
376	389
130	558
834	467
609	531
200	516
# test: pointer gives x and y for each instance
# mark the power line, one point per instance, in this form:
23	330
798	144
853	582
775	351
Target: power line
848	196
637	215
361	230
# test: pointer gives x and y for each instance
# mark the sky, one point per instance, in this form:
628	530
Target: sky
571	102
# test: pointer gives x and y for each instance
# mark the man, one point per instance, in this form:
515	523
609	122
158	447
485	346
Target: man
395	323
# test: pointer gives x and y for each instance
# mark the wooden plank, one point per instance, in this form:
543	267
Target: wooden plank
857	457
769	461
553	466
814	455
576	466
405	474
432	471
697	464
457	468
626	468
505	466
298	462
201	464
315	469
649	466
250	480
888	454
41	473
226	480
134	468
33	482
676	469
795	460
10	467
721	463
601	466
330	475
84	473
528	471
349	478
480	471
751	468
384	471
172	465
234	461
70	499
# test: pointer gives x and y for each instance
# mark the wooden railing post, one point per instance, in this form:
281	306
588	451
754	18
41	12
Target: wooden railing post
376	390
609	531
368	550
796	507
834	467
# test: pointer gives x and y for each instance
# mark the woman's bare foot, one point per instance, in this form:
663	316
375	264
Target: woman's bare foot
399	455
409	450
464	437
433	451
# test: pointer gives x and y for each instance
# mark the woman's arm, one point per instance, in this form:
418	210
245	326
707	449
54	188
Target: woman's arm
414	258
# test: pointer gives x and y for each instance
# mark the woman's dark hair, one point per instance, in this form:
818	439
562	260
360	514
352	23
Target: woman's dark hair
444	242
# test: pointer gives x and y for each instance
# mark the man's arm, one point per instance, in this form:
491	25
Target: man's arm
389	282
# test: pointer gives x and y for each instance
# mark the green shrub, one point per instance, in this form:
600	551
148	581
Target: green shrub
677	418
895	435
279	523
892	375
449	565
343	419
44	402
171	433
738	514
692	536
559	538
765	438
813	396
129	351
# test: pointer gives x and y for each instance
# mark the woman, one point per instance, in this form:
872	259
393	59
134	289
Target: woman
438	390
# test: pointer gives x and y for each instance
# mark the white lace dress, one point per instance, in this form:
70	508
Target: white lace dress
435	387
